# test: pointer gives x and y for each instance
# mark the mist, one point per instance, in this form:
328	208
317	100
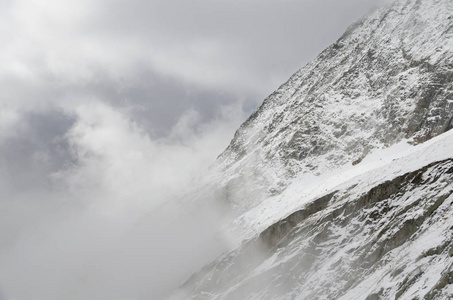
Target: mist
109	113
100	224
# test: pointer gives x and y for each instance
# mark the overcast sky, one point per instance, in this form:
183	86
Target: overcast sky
109	107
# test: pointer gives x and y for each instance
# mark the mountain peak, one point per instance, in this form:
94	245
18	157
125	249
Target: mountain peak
387	79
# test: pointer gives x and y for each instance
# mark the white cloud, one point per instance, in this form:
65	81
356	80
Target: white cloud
118	160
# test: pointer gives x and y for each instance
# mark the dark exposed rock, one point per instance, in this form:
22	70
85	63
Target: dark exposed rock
310	236
274	234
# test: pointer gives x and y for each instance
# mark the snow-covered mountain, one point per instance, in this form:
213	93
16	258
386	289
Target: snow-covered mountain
341	183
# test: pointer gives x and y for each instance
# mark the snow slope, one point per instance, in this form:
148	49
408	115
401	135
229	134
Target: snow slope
379	166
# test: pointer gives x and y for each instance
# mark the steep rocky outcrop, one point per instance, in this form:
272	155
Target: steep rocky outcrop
388	78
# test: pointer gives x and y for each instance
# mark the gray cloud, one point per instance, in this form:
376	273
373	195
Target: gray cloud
36	150
241	49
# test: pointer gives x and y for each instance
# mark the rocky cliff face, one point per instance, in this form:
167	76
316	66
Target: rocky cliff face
341	182
388	78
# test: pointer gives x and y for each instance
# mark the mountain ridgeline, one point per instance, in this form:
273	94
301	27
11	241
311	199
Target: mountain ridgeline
327	209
